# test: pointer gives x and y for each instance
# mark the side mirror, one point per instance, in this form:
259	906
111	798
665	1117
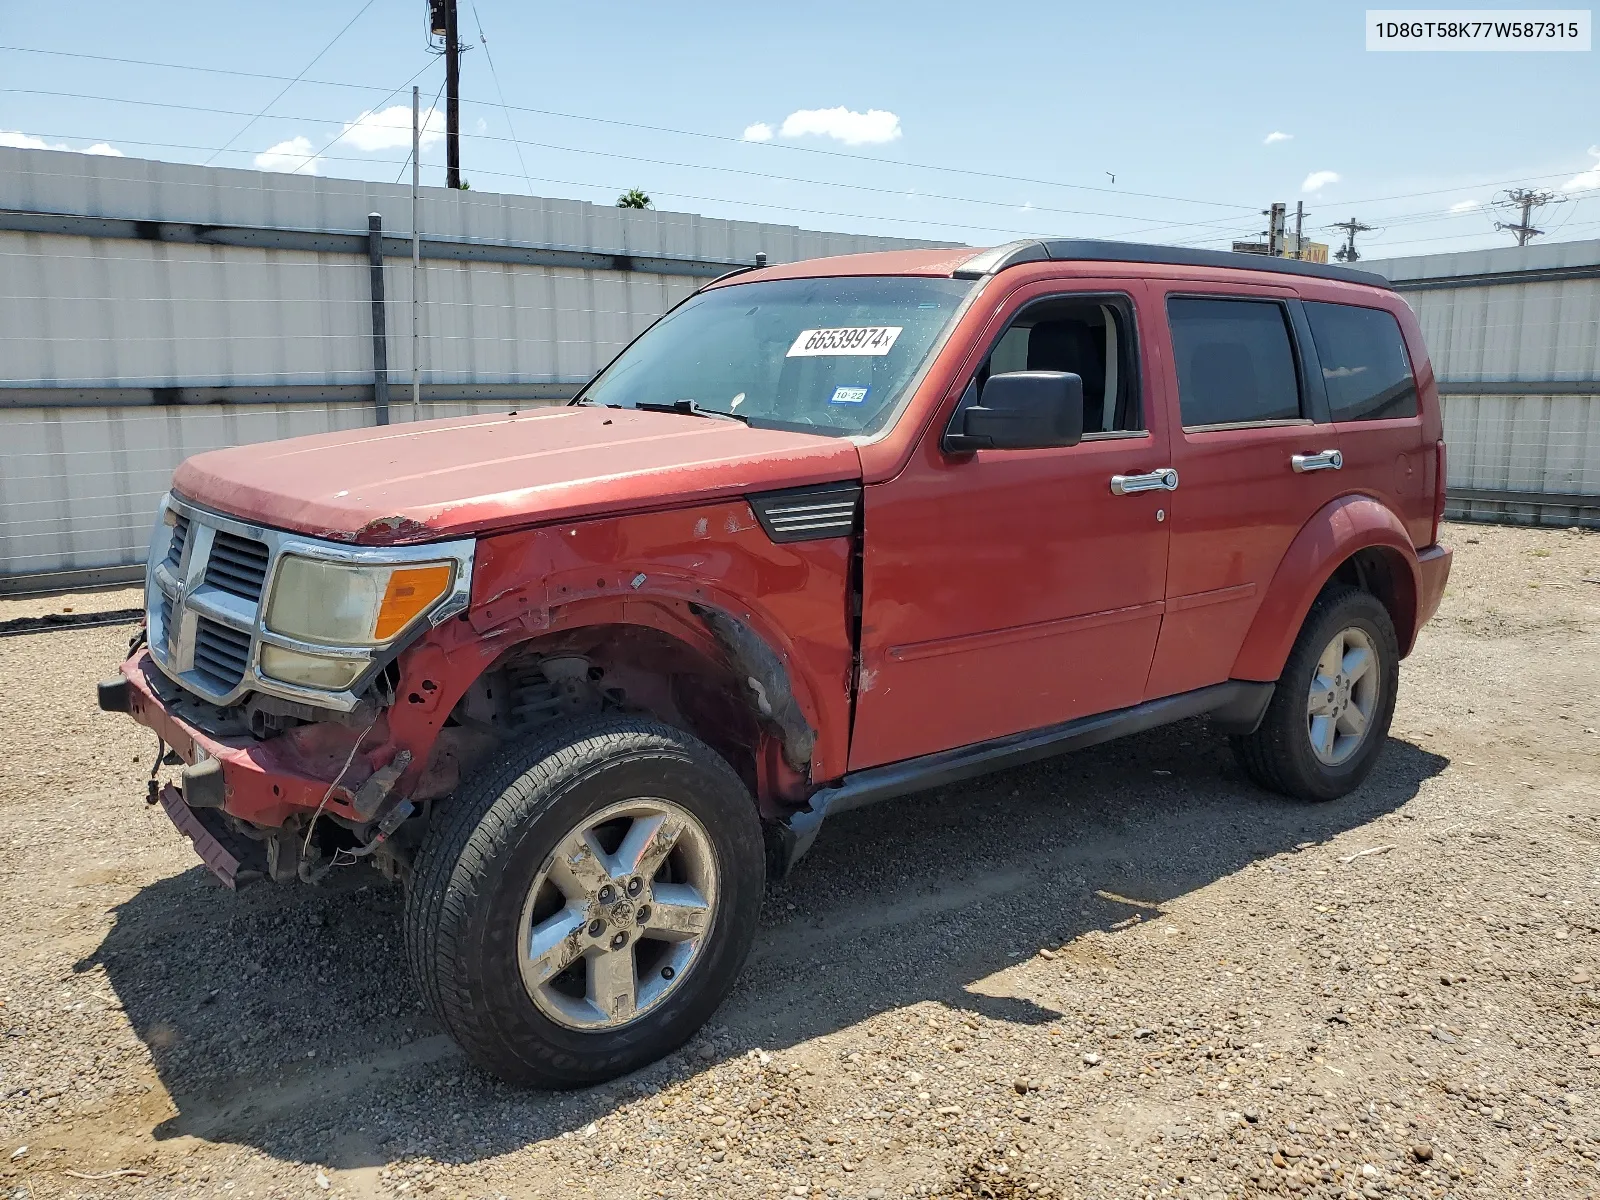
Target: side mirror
1020	410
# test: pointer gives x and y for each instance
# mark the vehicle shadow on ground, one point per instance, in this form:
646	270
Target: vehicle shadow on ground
285	1019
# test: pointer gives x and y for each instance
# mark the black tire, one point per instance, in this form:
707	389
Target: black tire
1279	754
479	859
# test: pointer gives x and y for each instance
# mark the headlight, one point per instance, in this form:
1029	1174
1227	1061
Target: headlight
339	604
310	670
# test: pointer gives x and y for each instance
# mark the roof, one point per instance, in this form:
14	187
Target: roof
1088	250
965	263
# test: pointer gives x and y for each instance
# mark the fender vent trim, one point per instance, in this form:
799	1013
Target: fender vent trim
805	514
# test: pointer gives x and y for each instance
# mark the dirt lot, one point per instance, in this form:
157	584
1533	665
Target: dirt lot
1124	973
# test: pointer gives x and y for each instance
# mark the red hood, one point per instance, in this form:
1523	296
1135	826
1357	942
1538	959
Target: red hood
471	475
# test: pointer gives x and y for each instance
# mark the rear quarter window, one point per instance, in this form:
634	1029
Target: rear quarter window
1235	362
1365	366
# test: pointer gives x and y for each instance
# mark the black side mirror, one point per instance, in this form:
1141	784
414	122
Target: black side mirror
1020	410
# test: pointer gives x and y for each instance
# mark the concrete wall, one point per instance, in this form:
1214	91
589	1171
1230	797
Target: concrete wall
86	321
1514	334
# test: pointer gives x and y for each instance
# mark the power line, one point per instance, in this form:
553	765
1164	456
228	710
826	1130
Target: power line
608	154
1148	225
433	107
695	133
293	81
726	138
495	75
146	62
348	127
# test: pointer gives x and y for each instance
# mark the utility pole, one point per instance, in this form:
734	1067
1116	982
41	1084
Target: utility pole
1527	200
1347	252
442	24
416	256
1299	228
1277	216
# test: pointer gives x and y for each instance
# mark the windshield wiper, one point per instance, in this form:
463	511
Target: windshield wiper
690	408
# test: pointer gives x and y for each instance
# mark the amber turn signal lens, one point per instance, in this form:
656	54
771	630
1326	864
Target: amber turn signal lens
411	590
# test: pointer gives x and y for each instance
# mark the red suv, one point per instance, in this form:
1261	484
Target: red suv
827	533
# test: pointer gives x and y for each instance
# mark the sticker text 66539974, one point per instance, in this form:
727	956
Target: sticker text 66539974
852	339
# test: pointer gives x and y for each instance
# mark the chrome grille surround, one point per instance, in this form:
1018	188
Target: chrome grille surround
206	615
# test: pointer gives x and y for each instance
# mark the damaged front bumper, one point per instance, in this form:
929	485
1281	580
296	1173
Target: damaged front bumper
265	786
224	856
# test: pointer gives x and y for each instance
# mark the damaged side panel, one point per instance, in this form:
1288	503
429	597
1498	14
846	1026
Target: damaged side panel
673	614
708	576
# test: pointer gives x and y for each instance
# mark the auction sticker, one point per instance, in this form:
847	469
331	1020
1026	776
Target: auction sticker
851	339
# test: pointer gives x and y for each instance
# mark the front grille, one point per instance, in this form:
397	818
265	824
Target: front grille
207	595
237	565
221	654
180	538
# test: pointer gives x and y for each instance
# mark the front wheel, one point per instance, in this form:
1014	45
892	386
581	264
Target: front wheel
584	903
1331	710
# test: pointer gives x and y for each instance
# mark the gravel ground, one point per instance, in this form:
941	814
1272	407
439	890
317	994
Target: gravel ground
1126	973
69	604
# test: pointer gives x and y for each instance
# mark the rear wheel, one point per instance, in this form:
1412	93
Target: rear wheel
585	903
1331	710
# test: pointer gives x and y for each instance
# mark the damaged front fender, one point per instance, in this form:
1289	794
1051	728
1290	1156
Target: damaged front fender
764	674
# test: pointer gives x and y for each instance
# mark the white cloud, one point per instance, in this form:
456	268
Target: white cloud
1277	136
759	132
293	155
24	141
1586	181
1461	206
873	127
1318	180
390	129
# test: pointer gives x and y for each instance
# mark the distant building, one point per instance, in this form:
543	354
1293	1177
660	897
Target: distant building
1310	251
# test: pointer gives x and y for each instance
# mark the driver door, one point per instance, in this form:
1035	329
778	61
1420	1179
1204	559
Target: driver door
1010	590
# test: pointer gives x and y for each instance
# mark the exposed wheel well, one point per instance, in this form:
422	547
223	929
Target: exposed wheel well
1384	573
616	668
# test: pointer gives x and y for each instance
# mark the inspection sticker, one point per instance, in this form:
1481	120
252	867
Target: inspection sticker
853	339
848	395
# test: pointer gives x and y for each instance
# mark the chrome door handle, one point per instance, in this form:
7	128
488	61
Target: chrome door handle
1164	480
1328	460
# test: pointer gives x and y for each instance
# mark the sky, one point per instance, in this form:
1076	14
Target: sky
1173	123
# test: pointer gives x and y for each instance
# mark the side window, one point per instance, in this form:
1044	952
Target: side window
1235	361
1090	338
1364	362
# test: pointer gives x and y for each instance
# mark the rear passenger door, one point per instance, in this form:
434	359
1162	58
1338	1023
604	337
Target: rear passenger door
1372	397
1255	454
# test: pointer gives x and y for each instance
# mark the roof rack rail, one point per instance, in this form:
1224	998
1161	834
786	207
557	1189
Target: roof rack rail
989	262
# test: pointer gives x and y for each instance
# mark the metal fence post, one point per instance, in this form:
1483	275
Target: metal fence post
380	333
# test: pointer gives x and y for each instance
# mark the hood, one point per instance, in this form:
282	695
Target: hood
472	475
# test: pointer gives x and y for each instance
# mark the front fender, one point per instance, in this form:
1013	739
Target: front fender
1339	529
657	569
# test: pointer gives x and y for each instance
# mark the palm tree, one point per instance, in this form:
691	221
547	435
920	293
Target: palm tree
634	198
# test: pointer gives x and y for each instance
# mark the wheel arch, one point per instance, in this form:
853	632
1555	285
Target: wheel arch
1357	539
691	665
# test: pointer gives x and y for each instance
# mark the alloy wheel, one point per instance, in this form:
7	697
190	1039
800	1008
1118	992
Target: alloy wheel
1343	697
618	915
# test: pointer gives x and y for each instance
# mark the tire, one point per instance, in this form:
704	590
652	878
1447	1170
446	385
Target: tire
1281	755
489	858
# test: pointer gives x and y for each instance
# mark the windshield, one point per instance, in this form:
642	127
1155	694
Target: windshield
827	355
